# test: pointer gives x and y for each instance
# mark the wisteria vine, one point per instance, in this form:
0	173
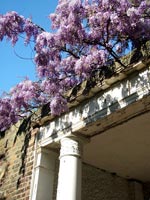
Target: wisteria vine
87	35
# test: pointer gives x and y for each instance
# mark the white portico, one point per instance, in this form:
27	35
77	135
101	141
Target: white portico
108	129
70	170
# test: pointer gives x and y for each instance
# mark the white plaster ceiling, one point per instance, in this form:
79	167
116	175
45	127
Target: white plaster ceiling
124	149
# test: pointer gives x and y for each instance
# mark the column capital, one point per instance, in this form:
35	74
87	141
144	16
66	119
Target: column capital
72	145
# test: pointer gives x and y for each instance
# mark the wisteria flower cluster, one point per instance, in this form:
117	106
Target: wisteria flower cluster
12	24
87	34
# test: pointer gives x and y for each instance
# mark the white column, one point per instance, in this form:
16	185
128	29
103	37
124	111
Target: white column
69	178
44	174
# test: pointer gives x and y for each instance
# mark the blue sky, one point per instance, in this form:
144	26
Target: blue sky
12	68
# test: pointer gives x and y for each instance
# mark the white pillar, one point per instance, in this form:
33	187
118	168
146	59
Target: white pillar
69	178
44	174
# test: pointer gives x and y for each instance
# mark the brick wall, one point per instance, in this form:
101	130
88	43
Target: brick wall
100	185
16	162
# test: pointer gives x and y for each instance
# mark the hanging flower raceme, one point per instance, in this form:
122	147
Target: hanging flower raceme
12	25
24	96
7	114
58	105
87	35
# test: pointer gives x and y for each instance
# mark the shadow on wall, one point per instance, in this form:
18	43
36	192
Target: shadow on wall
120	96
24	128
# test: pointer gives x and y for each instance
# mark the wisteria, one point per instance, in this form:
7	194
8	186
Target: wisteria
12	24
87	35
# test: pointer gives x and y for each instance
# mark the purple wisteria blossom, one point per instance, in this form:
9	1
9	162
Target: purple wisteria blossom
87	34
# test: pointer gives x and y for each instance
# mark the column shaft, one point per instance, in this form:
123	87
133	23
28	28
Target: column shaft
69	180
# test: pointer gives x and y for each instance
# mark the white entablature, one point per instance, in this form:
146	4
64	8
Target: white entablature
115	94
